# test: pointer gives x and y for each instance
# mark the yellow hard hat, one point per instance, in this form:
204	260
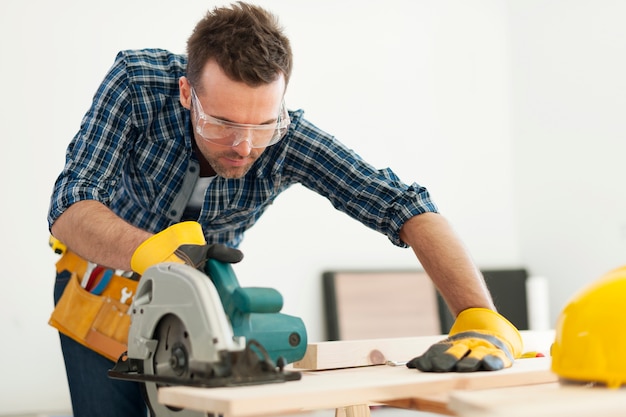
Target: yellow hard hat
590	344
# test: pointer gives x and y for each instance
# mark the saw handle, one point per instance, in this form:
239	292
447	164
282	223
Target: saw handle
238	300
257	300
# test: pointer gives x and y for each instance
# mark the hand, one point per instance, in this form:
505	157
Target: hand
182	243
479	340
197	255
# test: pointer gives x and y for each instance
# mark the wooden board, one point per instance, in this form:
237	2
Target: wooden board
352	353
334	389
380	304
376	304
544	400
432	403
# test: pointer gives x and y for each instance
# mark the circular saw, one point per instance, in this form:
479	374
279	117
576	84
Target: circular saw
203	329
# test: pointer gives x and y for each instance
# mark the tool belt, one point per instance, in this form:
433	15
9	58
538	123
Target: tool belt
98	319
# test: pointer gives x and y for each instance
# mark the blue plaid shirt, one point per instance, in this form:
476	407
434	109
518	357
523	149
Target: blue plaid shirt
134	154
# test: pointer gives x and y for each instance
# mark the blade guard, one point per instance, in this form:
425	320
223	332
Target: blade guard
184	291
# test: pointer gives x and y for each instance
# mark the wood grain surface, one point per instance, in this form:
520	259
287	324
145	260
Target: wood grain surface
543	400
351	353
332	389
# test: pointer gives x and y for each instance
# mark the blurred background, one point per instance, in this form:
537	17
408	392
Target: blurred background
510	111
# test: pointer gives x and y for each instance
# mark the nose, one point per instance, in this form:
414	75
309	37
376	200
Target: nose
243	145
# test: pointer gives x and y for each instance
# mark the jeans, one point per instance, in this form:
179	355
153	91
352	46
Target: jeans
93	393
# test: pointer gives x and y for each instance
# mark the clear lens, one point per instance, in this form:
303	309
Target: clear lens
226	133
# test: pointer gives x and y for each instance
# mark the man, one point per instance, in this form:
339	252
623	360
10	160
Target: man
207	137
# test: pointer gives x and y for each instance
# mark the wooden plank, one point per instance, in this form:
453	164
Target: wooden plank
361	410
544	400
334	389
352	353
432	403
406	304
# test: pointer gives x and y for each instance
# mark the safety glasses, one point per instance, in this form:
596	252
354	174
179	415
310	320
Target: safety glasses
225	133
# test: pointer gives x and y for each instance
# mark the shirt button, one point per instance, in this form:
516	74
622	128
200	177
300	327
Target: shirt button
192	168
173	212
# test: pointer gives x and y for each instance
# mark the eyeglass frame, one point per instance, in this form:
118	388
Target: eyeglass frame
280	126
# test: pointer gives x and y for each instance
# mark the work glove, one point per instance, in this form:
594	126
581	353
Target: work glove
479	340
182	243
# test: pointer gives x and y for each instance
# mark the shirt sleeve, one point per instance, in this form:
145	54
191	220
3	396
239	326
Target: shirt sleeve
92	168
375	197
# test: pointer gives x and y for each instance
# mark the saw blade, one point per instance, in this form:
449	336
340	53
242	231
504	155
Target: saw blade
170	359
173	351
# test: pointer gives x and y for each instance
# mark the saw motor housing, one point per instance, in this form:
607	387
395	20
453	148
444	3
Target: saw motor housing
254	314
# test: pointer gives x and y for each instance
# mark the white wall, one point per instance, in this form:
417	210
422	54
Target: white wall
496	106
569	135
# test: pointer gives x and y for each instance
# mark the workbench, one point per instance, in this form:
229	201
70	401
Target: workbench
352	390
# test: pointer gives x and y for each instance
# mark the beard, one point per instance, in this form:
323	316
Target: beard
231	165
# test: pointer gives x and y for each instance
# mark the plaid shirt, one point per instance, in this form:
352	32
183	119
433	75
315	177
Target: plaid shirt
134	154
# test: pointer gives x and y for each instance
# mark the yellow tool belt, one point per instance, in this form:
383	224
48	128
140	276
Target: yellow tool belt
98	321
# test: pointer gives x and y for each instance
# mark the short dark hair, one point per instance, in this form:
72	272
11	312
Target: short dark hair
245	40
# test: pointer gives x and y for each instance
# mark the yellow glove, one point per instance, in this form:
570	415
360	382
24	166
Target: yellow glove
182	243
479	340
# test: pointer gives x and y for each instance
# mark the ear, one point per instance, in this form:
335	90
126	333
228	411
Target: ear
184	89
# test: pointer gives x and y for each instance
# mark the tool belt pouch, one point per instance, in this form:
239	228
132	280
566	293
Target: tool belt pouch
99	322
